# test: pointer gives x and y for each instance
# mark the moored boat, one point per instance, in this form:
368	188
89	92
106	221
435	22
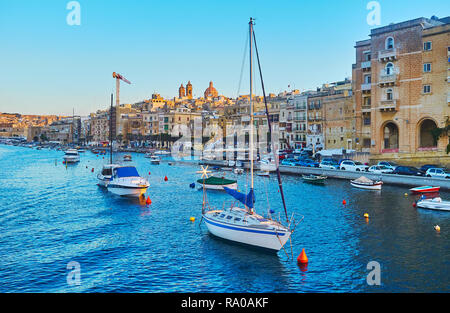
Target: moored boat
425	189
126	181
127	158
238	171
154	159
434	204
217	183
263	173
314	179
71	156
365	183
105	175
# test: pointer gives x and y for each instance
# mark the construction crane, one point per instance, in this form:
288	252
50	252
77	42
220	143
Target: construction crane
118	78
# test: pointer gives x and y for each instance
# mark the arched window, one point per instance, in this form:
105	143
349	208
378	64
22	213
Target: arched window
389	68
425	134
389	94
389	43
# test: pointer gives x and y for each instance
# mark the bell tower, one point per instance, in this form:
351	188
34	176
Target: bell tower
181	92
189	90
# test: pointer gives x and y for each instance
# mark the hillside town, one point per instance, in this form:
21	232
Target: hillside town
395	106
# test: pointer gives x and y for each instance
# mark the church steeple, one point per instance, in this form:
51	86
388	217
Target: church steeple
189	90
181	92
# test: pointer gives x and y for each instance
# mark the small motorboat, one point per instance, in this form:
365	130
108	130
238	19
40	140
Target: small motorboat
263	173
227	169
433	204
155	160
314	179
238	171
267	165
148	155
106	174
217	183
424	189
127	158
126	181
71	156
366	183
161	152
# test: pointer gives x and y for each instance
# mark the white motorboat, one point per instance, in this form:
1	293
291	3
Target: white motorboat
267	165
148	155
243	225
263	173
161	152
127	182
238	171
127	158
434	204
72	156
154	159
104	177
365	183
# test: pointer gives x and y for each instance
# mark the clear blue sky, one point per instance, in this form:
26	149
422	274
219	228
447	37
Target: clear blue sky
49	67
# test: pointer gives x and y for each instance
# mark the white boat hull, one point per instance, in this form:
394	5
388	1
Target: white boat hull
127	192
368	187
220	187
267	239
71	159
434	205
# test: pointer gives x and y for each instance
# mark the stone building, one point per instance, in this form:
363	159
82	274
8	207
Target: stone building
401	91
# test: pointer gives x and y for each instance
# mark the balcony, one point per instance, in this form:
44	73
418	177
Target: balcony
388	106
366	108
387	79
299	118
366	87
387	55
366	65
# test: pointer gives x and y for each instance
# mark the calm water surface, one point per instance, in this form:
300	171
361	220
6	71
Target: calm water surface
50	215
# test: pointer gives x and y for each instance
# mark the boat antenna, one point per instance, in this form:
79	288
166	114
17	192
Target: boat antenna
251	106
280	184
110	131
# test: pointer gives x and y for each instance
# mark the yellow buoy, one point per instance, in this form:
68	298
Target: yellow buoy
192	219
437	228
366	215
406	194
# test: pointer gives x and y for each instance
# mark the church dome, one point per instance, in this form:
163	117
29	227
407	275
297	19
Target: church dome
211	92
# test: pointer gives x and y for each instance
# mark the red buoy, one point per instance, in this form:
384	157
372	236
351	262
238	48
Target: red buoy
92	170
165	178
302	258
344	202
149	201
149	173
414	205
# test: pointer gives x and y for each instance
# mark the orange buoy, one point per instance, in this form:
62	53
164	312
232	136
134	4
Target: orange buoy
302	258
344	202
149	201
165	178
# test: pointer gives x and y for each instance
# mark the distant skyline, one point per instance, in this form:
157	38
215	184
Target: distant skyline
50	67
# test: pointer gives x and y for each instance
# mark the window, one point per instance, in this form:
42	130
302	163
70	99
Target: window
229	217
426	89
366	121
389	43
427	67
389	94
389	69
367	101
367	79
366	142
427	46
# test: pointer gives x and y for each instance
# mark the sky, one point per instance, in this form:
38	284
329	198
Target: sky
50	67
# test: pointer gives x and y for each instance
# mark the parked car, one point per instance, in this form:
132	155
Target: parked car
380	169
307	163
289	162
408	170
426	167
342	160
391	165
437	172
350	165
329	164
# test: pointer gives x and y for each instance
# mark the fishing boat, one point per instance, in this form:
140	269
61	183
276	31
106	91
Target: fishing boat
314	179
434	204
154	159
127	158
425	189
244	225
263	173
71	156
238	171
218	183
366	183
126	181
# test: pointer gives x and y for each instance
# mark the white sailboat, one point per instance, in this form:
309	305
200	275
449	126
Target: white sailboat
243	225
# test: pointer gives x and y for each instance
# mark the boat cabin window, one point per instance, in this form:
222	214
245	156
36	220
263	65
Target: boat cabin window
237	219
222	215
229	217
107	172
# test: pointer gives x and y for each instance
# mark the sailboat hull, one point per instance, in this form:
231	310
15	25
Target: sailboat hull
266	239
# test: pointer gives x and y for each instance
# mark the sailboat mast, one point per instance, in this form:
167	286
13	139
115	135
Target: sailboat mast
251	102
110	131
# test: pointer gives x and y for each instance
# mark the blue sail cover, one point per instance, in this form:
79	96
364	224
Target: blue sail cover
247	200
127	171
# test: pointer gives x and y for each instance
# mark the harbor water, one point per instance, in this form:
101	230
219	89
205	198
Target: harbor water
51	215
